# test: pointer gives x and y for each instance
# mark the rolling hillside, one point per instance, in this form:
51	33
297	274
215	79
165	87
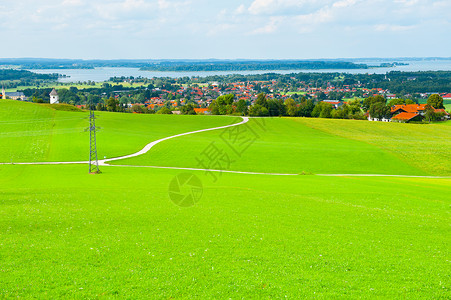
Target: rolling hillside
68	234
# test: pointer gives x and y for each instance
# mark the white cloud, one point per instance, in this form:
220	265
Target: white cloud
283	6
125	9
391	27
72	3
259	6
240	10
344	3
268	28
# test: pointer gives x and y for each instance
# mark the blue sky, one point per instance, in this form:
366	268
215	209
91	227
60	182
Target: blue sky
260	29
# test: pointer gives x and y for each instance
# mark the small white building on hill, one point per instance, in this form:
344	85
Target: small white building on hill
54	99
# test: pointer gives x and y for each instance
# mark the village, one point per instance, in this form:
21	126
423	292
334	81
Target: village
142	95
204	94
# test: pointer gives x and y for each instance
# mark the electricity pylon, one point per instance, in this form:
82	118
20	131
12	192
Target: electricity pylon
93	161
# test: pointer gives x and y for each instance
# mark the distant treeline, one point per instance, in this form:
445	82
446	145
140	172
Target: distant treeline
395	81
415	82
252	66
183	65
10	78
10	74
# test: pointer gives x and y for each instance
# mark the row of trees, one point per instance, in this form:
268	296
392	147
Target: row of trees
377	106
225	105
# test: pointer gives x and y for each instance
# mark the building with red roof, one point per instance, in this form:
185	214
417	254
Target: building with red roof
201	111
407	117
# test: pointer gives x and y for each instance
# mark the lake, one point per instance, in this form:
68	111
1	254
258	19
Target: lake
102	74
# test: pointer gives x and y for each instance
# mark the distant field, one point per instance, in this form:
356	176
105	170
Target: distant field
79	86
354	98
293	93
296	145
69	234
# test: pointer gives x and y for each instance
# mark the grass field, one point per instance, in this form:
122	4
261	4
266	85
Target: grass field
319	146
65	233
32	132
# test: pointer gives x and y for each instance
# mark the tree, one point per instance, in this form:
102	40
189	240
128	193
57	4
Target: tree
326	111
321	96
222	105
354	106
396	101
124	100
261	100
379	110
292	108
276	107
258	110
241	107
399	101
322	110
100	107
94	99
136	108
436	101
112	104
306	108
164	111
372	100
430	114
37	100
187	109
68	95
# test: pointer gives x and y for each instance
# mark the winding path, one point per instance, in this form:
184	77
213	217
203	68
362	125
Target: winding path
148	147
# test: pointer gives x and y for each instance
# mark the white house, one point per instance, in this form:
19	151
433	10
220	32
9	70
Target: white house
54	99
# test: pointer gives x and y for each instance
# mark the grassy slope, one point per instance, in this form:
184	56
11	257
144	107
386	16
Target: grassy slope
65	233
249	236
31	132
426	147
286	145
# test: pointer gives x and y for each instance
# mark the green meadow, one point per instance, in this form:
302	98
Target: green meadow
66	233
318	146
36	133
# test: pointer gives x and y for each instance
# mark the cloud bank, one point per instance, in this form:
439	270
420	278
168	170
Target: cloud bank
235	29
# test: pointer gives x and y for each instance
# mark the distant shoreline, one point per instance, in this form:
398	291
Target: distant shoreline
193	65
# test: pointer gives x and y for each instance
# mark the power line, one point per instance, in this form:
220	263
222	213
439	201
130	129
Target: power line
93	161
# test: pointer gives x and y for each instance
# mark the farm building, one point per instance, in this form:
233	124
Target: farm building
407	117
413	112
409	108
15	96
